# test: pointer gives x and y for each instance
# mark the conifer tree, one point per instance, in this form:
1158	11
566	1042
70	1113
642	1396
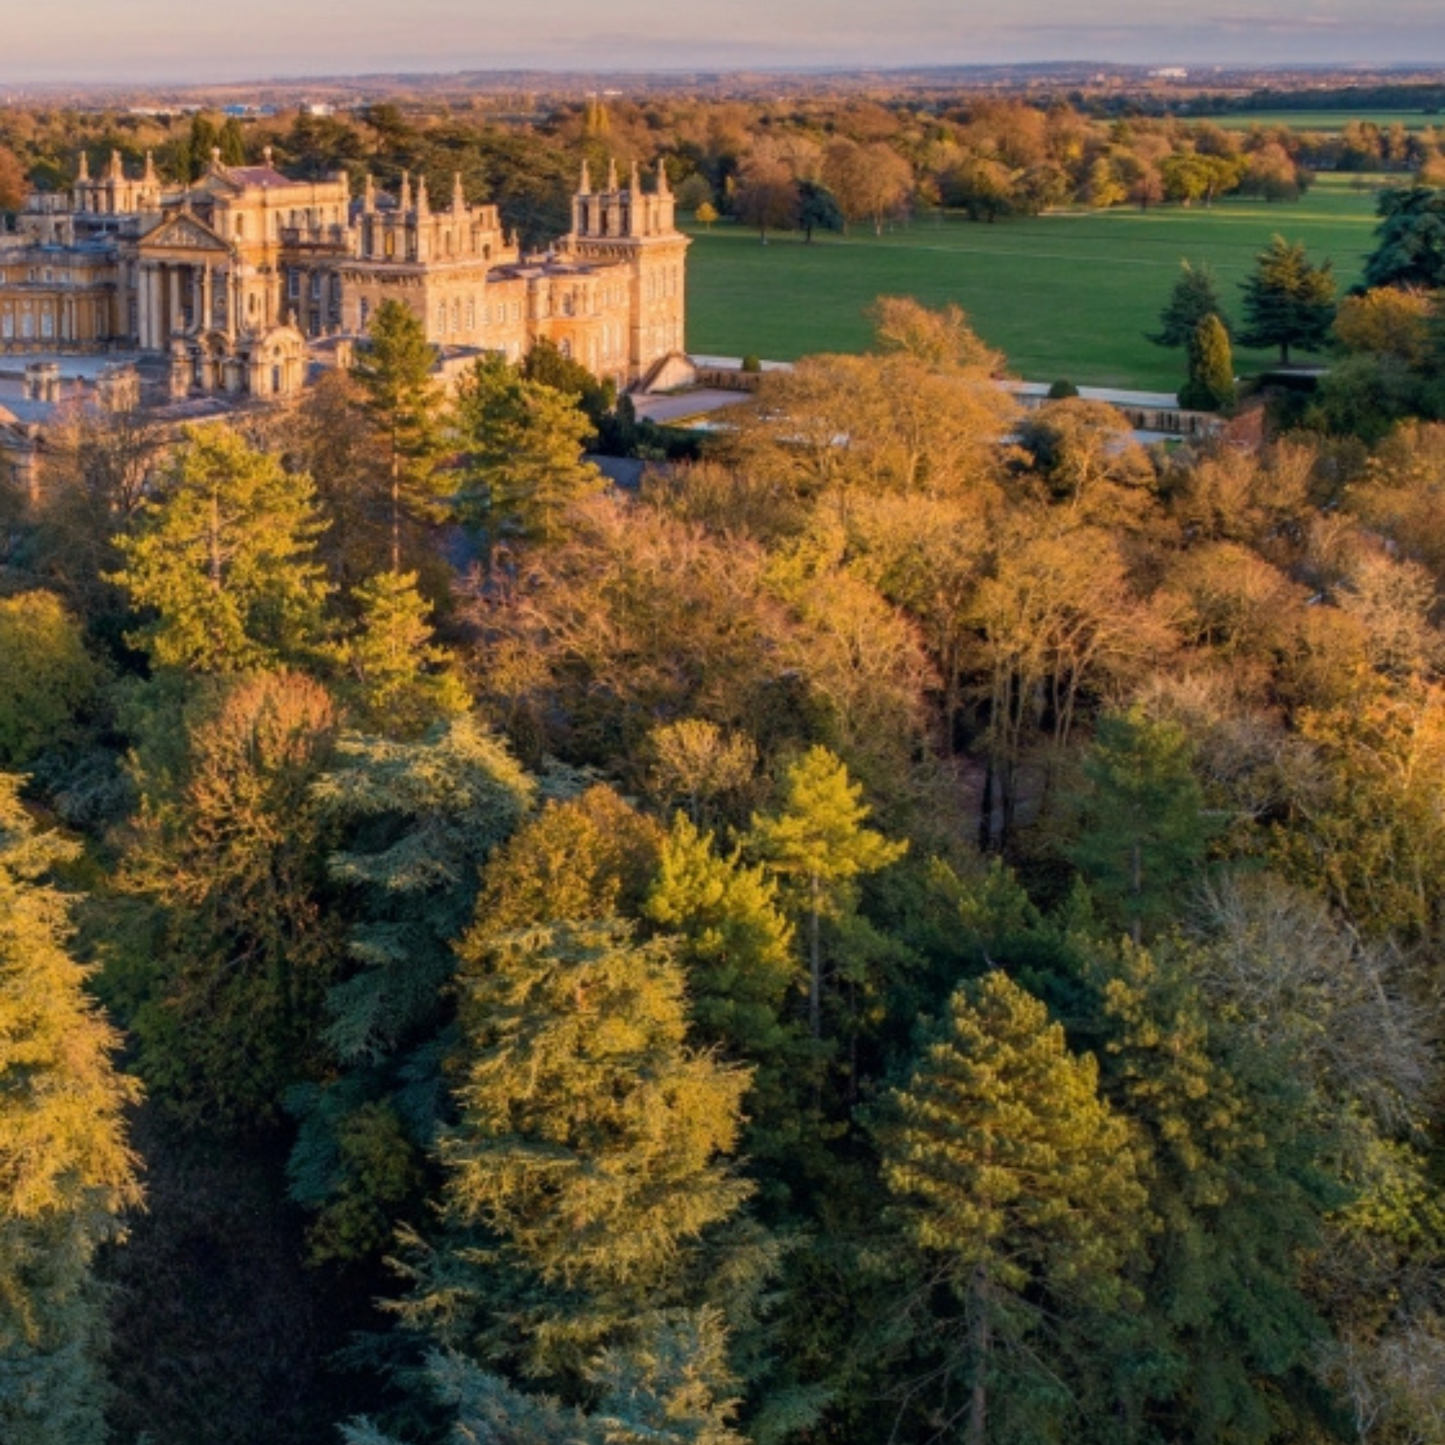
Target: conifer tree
397	680
1141	830
817	843
416	820
66	1174
522	448
229	989
1211	369
588	1166
222	556
1194	297
1287	301
1015	1182
403	401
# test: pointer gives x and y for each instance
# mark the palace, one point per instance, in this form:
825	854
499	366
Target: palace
232	285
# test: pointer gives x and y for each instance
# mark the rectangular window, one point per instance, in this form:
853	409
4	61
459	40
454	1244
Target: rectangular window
293	284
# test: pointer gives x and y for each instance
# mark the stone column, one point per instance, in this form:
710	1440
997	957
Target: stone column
175	315
208	304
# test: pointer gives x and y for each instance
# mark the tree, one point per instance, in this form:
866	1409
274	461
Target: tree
705	214
397	681
1385	322
1014	1181
49	674
1195	296
736	945
817	843
12	181
1211	369
415	820
229	991
590	1150
522	445
817	209
870	182
1141	827
767	195
222	556
66	1173
1287	301
1410	239
394	369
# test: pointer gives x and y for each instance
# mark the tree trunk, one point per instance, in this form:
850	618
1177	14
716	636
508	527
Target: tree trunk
815	961
980	1343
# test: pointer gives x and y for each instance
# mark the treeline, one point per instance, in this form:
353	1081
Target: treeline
887	933
799	163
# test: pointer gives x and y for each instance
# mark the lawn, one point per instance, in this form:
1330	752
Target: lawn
1326	121
1069	294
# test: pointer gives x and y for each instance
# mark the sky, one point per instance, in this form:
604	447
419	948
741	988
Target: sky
44	41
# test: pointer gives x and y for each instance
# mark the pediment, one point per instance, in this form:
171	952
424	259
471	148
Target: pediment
184	232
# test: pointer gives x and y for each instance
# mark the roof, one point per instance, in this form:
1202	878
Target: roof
259	176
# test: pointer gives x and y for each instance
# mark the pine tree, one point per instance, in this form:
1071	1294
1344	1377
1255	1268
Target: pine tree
66	1174
1287	301
817	844
397	680
590	1149
222	557
1237	1193
1211	369
522	448
1141	826
1194	297
403	401
1015	1182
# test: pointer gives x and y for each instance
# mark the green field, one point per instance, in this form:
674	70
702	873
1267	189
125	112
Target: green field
1328	121
1070	294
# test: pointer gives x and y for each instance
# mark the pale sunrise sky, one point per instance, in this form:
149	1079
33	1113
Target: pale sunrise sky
126	40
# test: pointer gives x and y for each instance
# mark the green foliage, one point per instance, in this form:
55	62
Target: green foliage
66	1173
522	447
589	1148
404	406
1141	831
396	680
588	857
818	209
544	363
817	844
1410	239
1287	301
1211	369
1237	1197
49	675
416	820
1195	296
222	558
228	1006
1017	1186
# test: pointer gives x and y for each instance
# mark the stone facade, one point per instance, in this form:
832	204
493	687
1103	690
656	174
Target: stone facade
233	281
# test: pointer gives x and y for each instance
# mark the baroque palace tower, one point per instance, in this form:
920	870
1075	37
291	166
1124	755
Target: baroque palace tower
235	281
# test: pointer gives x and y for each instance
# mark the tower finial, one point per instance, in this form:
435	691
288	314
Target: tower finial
663	188
116	171
150	177
612	175
368	196
459	196
83	173
404	200
584	186
422	204
635	181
